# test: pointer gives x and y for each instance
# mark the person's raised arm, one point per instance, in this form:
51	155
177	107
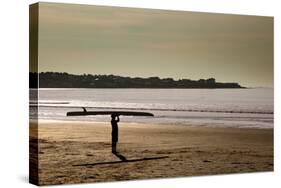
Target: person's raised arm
118	119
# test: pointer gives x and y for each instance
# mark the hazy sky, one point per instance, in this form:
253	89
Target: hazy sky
143	42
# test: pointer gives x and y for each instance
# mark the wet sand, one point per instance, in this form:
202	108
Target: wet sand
80	152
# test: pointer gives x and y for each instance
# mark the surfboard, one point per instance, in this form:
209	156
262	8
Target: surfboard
118	113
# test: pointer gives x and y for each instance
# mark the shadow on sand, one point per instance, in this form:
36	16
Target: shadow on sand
123	160
121	157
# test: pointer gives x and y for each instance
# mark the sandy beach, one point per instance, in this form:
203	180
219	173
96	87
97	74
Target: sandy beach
80	152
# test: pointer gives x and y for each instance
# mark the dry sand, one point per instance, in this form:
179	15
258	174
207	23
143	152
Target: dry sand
80	152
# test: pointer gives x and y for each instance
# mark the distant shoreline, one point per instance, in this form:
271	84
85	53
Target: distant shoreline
65	80
130	88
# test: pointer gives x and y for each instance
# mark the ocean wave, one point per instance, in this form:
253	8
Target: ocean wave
36	103
45	105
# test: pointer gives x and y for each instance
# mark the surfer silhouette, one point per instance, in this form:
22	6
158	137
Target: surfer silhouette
114	123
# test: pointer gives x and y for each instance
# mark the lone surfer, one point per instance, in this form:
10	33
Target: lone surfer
114	123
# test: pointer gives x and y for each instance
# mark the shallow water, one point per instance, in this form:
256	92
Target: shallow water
244	108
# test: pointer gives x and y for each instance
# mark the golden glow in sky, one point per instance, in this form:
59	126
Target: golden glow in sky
82	39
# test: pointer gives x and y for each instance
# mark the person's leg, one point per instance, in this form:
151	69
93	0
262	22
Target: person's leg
114	147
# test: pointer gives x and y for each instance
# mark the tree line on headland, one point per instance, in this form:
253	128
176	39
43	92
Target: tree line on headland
65	80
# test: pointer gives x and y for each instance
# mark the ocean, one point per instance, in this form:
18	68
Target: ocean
241	108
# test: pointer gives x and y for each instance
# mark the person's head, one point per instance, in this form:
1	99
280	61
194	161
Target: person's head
113	116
